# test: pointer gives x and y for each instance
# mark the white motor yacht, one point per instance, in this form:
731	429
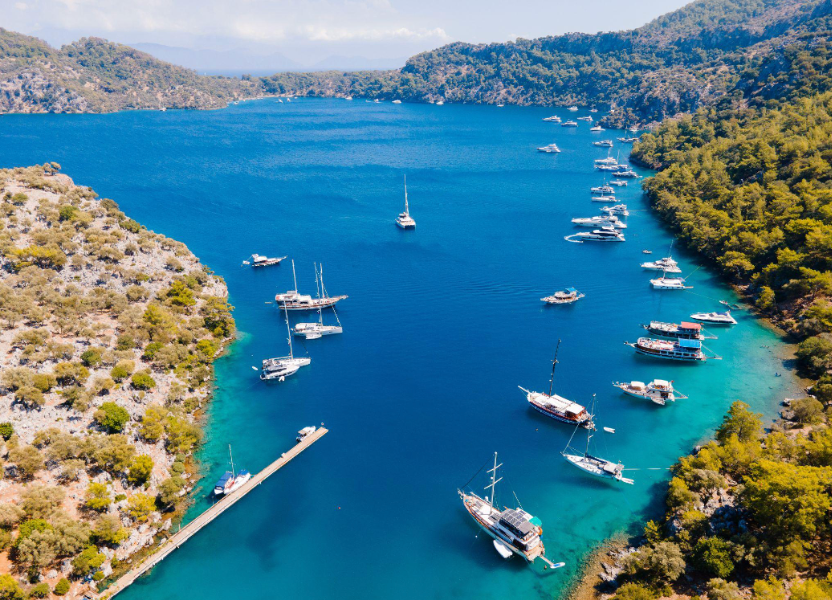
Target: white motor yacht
603	189
572	108
604	198
587	118
603	143
715	318
657	391
618	182
600	221
670	283
549	148
606	233
667	264
618	209
552	119
596	129
569	124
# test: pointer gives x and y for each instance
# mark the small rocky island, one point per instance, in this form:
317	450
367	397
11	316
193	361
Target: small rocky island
108	332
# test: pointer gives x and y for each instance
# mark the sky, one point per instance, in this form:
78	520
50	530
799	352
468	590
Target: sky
304	32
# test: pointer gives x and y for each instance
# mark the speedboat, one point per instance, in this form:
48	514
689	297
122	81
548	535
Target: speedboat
602	189
553	119
657	391
607	233
596	128
572	108
603	143
683	350
618	209
670	283
305	433
715	318
550	148
569	124
600	221
667	264
397	101
567	296
604	199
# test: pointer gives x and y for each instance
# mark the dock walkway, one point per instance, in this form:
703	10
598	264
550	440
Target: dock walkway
184	534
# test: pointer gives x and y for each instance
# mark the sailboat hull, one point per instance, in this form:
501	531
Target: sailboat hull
596	467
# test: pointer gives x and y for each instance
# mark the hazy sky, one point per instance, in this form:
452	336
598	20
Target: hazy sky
391	28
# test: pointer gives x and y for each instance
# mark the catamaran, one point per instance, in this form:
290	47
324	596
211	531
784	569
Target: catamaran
715	318
567	296
558	407
683	330
514	531
292	300
231	481
618	209
600	220
282	367
256	260
594	465
606	233
549	149
684	350
657	391
314	331
404	220
670	283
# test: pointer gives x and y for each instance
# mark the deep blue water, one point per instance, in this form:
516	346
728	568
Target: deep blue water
441	326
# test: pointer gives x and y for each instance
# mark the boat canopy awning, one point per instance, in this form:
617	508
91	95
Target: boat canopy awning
637	385
574	409
690	343
661	383
687	325
571	290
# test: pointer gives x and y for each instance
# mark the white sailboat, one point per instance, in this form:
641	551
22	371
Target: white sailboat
283	366
314	331
404	220
594	465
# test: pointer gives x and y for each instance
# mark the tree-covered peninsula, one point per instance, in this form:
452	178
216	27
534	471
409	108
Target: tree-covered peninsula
108	332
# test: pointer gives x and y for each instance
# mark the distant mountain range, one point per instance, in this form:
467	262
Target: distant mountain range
692	57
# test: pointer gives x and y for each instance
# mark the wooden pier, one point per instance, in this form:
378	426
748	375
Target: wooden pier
184	534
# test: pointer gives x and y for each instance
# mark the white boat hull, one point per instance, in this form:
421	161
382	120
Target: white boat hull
588	465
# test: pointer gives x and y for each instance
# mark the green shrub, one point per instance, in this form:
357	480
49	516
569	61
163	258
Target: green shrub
122	370
44	381
41	590
111	417
97	497
88	560
6	430
62	587
140	470
91	357
713	556
634	591
142	381
125	342
151	349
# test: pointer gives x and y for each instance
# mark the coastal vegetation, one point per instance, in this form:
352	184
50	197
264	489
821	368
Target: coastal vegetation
747	516
108	332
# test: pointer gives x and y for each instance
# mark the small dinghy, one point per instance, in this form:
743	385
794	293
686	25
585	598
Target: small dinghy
502	549
609	429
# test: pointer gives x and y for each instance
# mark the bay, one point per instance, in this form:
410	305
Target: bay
441	326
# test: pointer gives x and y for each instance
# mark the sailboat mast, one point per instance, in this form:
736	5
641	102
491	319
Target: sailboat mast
319	285
494	481
231	458
288	331
294	275
554	364
589	431
406	209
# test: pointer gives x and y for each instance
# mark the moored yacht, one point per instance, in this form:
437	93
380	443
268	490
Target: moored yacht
683	350
572	108
600	221
292	300
603	143
629	173
715	318
587	118
609	160
231	481
397	101
594	465
404	220
617	209
552	119
549	148
596	129
667	264
569	124
257	260
567	296
558	407
514	531
670	283
604	198
282	367
603	189
606	233
683	330
657	391
314	331
618	182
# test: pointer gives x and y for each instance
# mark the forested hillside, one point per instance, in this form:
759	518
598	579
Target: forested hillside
93	75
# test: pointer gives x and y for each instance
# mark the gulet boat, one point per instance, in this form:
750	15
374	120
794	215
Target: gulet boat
292	300
314	331
567	296
681	349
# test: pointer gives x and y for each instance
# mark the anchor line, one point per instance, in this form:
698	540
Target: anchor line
475	474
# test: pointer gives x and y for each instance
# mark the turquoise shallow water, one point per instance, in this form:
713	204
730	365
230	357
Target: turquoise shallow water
441	326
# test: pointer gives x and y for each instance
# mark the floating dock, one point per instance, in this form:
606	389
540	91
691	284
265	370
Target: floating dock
184	534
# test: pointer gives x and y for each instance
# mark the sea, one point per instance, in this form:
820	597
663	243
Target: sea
442	325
